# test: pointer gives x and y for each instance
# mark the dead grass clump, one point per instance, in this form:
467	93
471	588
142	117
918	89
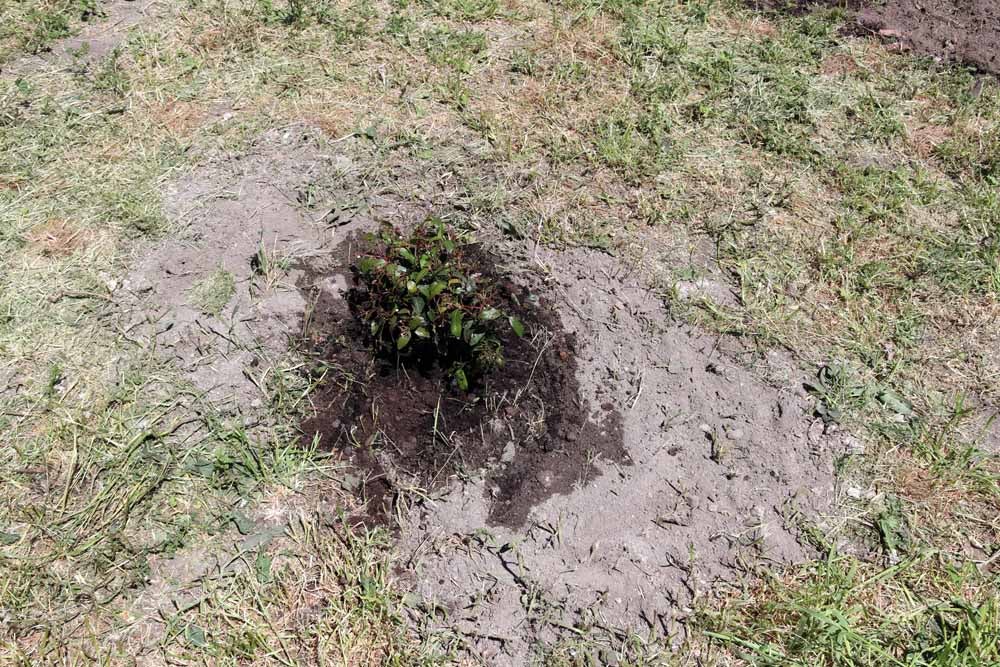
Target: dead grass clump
838	64
926	139
179	117
57	238
752	26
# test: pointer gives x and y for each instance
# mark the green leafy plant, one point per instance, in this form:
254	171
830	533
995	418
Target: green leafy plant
424	299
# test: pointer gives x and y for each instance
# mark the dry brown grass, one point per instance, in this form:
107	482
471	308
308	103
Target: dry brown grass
58	238
180	118
838	64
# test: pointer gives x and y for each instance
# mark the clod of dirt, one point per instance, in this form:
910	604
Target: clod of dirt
524	425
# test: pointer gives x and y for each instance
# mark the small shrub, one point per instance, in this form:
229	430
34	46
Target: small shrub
424	300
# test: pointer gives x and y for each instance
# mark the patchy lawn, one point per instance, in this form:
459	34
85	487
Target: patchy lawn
774	247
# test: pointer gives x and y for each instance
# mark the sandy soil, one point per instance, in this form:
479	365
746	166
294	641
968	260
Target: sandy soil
725	467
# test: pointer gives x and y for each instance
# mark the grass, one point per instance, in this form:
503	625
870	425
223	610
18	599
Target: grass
214	291
32	26
847	194
840	612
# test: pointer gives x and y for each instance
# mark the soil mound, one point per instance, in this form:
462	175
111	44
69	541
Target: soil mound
726	468
617	467
407	427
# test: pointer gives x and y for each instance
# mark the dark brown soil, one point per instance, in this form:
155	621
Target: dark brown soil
525	425
956	30
965	31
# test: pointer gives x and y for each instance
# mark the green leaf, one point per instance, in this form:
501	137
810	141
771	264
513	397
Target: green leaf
403	340
195	635
893	526
893	401
375	327
516	325
456	323
476	338
436	288
262	568
417	322
407	255
462	380
489	314
418	304
411	286
7	539
422	332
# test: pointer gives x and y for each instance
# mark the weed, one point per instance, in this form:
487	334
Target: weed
213	292
456	49
48	27
33	26
268	265
111	77
524	62
823	618
423	299
838	389
892	526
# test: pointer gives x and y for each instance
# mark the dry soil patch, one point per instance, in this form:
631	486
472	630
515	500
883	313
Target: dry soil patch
229	210
724	468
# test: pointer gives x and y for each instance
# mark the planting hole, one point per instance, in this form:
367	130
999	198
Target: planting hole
430	364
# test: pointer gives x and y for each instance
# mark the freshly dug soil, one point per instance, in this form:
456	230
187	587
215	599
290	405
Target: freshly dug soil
966	31
958	30
525	424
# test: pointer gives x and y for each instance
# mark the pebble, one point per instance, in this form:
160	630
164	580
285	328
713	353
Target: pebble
853	445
